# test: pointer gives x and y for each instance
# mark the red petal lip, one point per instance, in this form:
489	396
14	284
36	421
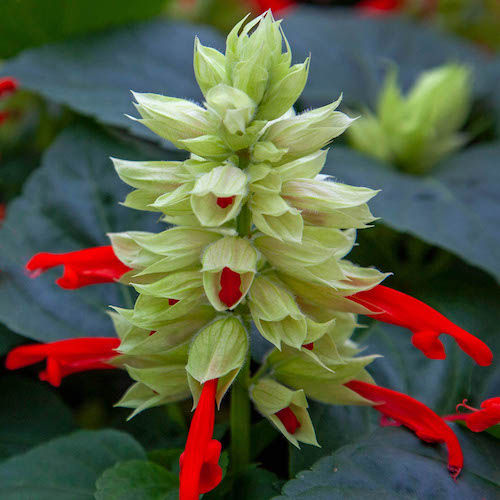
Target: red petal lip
478	420
200	471
81	268
413	414
65	357
230	283
397	308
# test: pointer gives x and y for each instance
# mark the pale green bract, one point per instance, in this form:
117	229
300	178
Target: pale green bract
249	200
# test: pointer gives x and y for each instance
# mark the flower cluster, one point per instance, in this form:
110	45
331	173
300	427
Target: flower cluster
260	236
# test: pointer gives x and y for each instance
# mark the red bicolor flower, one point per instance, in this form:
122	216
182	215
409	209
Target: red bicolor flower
230	283
391	306
288	419
225	202
65	356
8	85
200	469
379	7
479	419
274	5
81	268
426	424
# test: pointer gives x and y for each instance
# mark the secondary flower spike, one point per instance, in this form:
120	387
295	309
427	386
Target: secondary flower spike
397	308
65	357
426	424
81	268
478	419
200	470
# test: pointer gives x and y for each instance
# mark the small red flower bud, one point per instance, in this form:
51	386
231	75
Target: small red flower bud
230	283
289	420
172	302
309	346
225	202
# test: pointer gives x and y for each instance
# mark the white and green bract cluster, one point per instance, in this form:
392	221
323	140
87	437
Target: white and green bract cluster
250	199
413	132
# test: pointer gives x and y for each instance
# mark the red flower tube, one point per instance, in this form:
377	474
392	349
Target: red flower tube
65	356
478	420
200	470
81	268
391	306
426	424
289	420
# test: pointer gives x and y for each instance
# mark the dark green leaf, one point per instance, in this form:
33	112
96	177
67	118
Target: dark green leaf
44	22
351	54
70	203
95	75
135	480
8	340
31	413
456	207
66	467
393	463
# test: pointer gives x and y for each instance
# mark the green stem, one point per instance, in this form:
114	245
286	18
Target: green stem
244	222
240	420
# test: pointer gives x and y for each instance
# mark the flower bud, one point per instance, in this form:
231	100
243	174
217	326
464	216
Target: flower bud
250	58
271	399
306	133
267	151
295	369
282	95
209	67
173	249
152	176
229	266
233	107
219	349
174	119
264	179
324	196
307	167
276	314
309	261
274	217
226	183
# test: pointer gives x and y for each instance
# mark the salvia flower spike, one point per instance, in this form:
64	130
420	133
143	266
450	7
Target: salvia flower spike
259	235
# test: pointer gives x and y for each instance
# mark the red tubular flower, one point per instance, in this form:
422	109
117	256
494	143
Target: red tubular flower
379	7
391	306
65	357
479	419
230	283
413	414
288	419
200	470
225	202
274	5
309	346
8	85
81	268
